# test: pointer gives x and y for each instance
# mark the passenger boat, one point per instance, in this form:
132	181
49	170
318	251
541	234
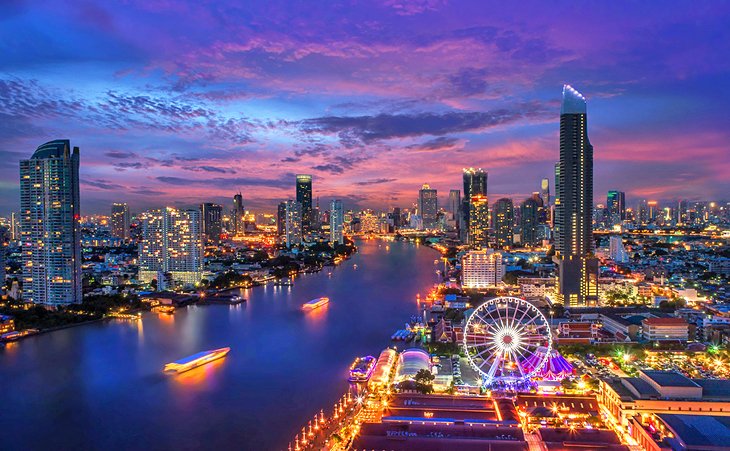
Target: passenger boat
362	368
164	309
315	303
196	360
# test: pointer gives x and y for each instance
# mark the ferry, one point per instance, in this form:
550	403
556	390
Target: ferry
168	309
18	334
362	368
196	360
315	303
284	283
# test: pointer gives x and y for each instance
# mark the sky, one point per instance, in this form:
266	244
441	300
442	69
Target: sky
177	102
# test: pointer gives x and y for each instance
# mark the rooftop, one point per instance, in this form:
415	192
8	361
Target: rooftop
699	430
51	149
669	379
573	101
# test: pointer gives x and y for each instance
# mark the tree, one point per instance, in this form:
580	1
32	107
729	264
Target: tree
424	377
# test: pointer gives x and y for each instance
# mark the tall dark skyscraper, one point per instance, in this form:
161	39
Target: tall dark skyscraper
212	222
238	215
50	231
428	206
616	206
577	267
504	218
304	197
529	220
475	183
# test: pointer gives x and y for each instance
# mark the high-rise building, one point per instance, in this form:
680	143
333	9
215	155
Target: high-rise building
304	197
545	191
642	212
281	219
481	269
172	243
529	221
454	203
293	223
120	220
428	206
616	249
238	215
546	213
479	221
337	222
504	218
616	206
653	212
49	225
15	226
475	182
212	222
577	266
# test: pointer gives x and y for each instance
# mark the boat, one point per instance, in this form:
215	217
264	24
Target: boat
168	309
354	266
362	368
315	303
18	334
284	283
196	360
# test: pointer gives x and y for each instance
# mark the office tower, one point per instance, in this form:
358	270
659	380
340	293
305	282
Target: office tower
120	221
479	221
577	266
545	191
529	210
504	218
238	215
428	206
15	226
616	206
396	218
616	249
293	223
281	219
171	244
369	222
212	222
653	210
475	182
49	225
642	212
454	203
481	269
337	222
304	197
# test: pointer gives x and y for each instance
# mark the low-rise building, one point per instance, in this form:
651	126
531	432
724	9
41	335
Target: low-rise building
482	269
665	329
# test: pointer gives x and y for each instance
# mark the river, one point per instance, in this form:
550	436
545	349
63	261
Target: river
100	386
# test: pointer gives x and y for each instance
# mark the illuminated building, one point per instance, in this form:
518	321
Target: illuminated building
504	217
577	266
293	223
304	197
616	249
665	329
171	244
643	212
529	222
653	210
428	206
337	222
212	222
475	182
281	219
481	269
478	220
369	222
49	225
454	203
237	215
120	221
616	205
14	226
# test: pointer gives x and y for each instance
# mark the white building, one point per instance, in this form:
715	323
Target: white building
482	269
616	249
292	223
337	221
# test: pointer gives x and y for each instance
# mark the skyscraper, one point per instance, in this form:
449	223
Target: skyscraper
171	243
238	215
293	224
577	266
304	197
529	221
504	218
49	224
479	221
616	206
337	222
475	182
454	203
212	222
120	221
428	206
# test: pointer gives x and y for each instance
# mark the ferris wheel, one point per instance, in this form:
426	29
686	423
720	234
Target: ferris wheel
507	339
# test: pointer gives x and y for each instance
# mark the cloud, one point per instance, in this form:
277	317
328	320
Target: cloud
440	143
102	184
379	181
120	154
235	182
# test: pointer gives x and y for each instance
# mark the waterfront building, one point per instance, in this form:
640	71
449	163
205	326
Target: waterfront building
481	269
529	211
120	221
293	225
172	243
238	215
49	225
616	249
503	213
304	197
212	222
479	220
337	222
577	266
616	206
475	183
428	206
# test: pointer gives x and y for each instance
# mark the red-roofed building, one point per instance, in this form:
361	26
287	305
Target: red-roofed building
665	329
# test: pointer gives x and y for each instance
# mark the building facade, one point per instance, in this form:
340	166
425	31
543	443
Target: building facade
49	225
479	221
481	269
212	222
120	221
475	182
304	197
337	222
616	206
428	206
529	211
293	223
504	218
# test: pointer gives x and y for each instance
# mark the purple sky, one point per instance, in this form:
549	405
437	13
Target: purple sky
177	102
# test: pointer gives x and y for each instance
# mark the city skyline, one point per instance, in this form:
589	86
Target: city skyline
355	101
